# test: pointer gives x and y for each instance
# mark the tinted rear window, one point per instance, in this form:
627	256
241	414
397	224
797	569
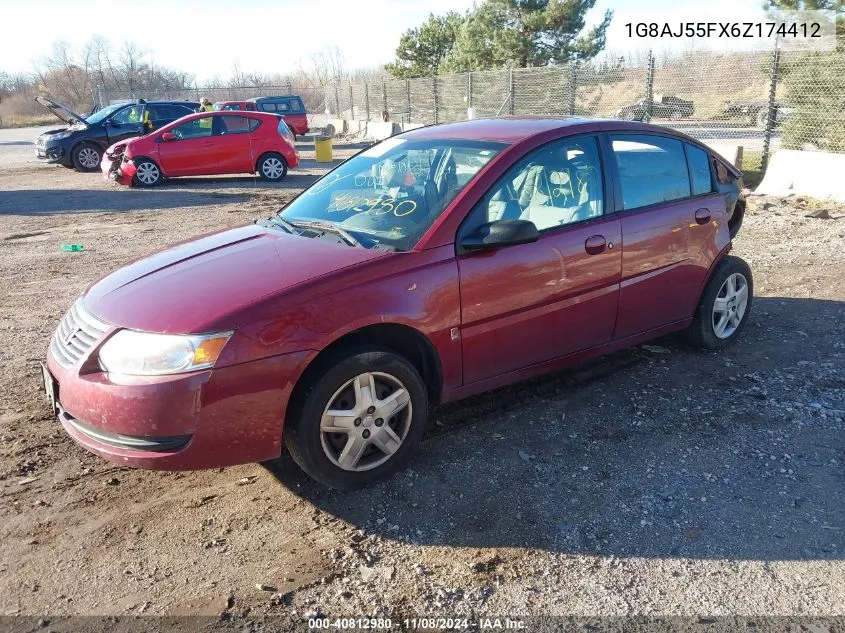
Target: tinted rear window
652	169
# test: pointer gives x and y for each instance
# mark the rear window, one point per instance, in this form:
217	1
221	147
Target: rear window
652	169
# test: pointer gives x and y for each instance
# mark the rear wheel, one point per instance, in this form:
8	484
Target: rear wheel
147	173
86	157
358	419
272	167
724	306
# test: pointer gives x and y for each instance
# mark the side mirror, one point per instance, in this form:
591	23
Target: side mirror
167	136
500	233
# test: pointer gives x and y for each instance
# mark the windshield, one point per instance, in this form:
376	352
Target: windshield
393	192
100	115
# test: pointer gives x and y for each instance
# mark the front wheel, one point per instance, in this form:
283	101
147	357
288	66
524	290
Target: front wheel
147	173
272	167
724	306
86	157
358	419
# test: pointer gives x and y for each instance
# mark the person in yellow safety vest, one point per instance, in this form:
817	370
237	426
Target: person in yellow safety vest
205	106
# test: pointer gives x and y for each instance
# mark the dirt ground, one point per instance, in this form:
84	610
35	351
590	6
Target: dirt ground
659	481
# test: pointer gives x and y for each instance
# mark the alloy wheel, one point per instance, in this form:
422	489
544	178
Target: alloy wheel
89	158
730	305
366	421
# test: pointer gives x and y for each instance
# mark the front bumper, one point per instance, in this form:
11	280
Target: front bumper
52	154
206	419
114	169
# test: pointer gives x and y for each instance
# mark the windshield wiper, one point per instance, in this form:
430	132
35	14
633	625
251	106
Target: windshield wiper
279	223
328	227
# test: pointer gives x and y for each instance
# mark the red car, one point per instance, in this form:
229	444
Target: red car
437	264
289	107
205	143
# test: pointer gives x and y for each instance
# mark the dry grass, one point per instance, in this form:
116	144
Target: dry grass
16	120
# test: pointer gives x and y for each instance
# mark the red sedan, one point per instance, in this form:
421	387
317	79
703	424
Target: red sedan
437	264
204	144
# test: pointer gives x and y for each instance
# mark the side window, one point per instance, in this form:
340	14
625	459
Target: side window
558	184
699	169
233	124
296	105
250	106
652	169
253	124
127	115
283	106
268	107
194	128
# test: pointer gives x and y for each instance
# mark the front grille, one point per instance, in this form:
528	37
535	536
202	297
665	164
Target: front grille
76	334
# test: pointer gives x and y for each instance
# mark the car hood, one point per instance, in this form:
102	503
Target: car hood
192	287
63	112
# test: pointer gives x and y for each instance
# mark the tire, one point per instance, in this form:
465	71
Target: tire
762	118
708	331
86	157
148	174
272	167
330	457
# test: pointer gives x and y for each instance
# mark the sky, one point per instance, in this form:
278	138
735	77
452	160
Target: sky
273	36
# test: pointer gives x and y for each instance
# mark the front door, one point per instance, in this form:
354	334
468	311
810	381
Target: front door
190	152
126	123
526	304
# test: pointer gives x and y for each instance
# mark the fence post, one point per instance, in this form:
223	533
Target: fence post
573	85
434	96
384	95
337	98
770	115
408	98
469	89
367	99
649	98
510	91
351	103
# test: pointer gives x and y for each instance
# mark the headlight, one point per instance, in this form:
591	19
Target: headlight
147	354
59	135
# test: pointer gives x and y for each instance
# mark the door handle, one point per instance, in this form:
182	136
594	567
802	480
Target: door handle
702	216
595	244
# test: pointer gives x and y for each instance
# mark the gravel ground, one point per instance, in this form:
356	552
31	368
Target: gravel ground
658	481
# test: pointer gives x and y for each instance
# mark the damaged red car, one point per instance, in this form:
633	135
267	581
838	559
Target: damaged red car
440	263
205	144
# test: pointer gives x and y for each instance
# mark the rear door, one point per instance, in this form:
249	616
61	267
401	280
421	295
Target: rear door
191	152
526	304
232	145
664	230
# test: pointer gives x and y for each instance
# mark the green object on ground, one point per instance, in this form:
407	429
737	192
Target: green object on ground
68	248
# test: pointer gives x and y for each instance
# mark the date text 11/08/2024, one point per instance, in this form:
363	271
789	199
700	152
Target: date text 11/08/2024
425	623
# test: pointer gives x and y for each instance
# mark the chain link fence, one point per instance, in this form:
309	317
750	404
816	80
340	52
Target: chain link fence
760	100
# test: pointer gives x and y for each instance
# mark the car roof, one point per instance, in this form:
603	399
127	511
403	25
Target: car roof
514	129
166	103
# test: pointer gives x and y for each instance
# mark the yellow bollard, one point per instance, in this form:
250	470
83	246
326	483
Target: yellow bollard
323	149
